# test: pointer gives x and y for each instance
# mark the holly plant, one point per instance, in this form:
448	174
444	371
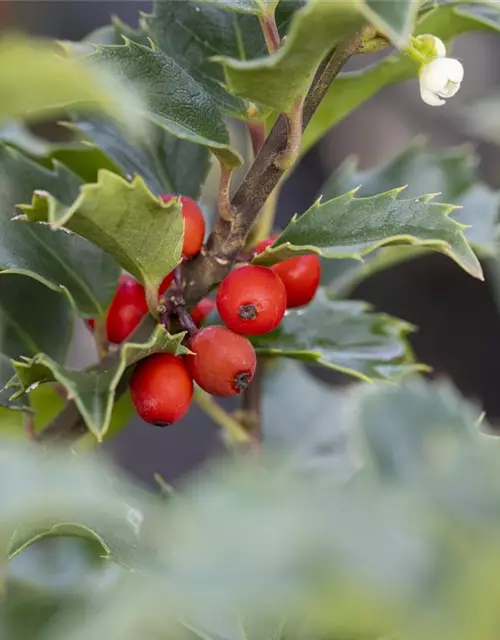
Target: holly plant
364	513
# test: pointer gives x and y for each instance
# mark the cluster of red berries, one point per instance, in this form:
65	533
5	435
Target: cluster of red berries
251	300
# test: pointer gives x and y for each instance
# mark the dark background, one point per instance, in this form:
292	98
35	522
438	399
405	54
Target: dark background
459	329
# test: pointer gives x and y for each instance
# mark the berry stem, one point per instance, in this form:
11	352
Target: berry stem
100	338
187	321
252	400
29	426
236	435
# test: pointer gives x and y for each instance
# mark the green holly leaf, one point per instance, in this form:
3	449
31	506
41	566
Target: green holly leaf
351	227
93	390
166	163
190	114
352	89
32	319
191	33
34	79
141	232
343	335
452	173
277	80
62	262
53	494
252	7
113	33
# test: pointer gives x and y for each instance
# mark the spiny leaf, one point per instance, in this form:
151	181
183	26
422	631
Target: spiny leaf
343	336
32	318
352	89
350	227
174	99
53	494
34	78
275	81
192	33
62	262
141	232
94	390
252	7
167	163
452	173
394	19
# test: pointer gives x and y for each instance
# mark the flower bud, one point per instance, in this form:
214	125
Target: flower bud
440	79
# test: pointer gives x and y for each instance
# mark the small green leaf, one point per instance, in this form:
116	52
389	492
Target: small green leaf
167	163
92	390
252	7
452	173
352	89
34	79
275	81
63	262
192	33
32	319
343	336
141	232
350	227
174	100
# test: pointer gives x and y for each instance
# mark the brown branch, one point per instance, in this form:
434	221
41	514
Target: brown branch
228	238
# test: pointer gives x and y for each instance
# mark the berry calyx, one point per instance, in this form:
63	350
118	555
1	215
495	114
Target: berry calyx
127	309
223	363
301	276
252	300
203	309
161	389
194	225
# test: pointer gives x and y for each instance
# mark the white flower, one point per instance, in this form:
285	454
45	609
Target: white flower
440	79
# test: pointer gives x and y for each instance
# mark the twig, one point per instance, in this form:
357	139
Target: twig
29	426
224	195
257	131
270	32
235	432
100	337
251	414
294	136
228	239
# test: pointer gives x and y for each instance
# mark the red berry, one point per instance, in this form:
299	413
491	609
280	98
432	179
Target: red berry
90	322
127	309
301	277
224	362
194	225
202	310
251	300
263	244
161	389
165	283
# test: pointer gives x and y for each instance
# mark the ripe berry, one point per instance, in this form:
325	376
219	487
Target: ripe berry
224	362
202	310
165	283
301	276
194	225
251	300
127	309
161	389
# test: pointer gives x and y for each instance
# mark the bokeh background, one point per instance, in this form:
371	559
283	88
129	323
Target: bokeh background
457	316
